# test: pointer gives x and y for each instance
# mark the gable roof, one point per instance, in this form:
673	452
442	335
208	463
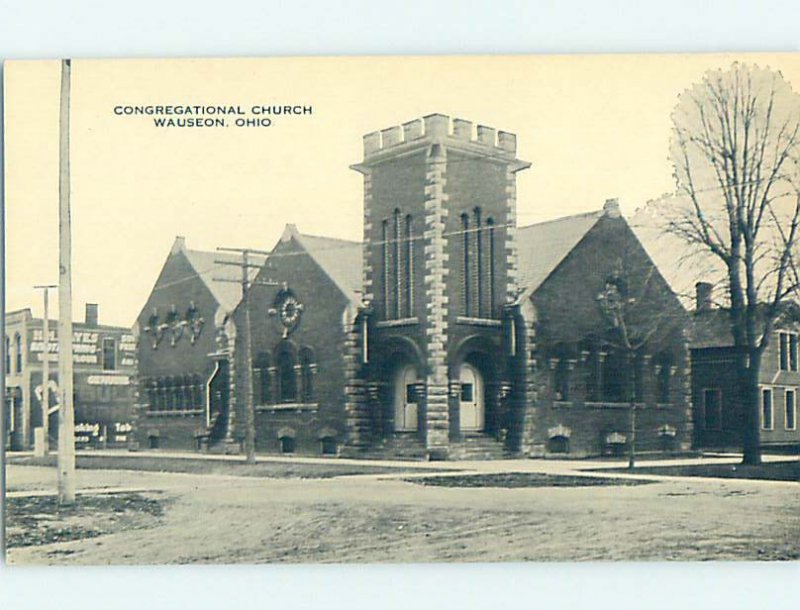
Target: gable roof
227	293
340	259
541	247
711	328
682	264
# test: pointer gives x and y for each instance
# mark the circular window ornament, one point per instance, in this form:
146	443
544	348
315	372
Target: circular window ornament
288	309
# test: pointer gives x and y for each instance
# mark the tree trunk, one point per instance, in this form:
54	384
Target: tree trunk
751	408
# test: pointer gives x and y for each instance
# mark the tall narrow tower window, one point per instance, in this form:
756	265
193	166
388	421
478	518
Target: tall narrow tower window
409	267
386	266
490	267
478	275
398	277
466	271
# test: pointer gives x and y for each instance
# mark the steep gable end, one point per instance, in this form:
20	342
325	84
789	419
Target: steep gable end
340	259
541	247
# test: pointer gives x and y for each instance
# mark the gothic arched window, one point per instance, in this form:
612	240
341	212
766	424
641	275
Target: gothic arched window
197	392
489	268
386	268
466	271
398	276
409	267
477	275
287	379
262	385
307	371
397	239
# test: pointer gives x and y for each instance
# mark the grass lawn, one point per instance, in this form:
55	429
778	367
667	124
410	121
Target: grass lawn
770	471
523	479
37	520
274	470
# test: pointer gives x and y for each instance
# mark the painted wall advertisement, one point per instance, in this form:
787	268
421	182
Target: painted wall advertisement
87	347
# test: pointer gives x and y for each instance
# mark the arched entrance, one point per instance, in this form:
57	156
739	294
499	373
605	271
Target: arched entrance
406	399
472	401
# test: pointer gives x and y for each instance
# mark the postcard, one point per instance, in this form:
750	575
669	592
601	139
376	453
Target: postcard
402	309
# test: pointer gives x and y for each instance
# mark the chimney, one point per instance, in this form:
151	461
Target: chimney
179	245
611	208
91	314
703	291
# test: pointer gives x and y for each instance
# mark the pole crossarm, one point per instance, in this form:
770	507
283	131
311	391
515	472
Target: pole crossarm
245	265
45	401
242	250
238	264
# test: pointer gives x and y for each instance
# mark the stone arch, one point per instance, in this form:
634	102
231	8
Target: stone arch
480	353
286	439
395	353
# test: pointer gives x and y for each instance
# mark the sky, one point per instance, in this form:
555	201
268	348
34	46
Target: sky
593	127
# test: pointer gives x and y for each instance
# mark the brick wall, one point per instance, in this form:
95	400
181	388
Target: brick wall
177	285
568	315
320	329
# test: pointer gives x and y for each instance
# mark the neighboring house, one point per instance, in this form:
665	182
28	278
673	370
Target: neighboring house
448	332
692	272
104	360
716	388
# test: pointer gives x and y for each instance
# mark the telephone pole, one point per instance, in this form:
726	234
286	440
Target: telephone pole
66	412
46	366
249	407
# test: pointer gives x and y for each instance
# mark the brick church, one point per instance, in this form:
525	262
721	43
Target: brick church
448	332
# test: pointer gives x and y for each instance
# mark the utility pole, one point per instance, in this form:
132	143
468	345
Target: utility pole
66	412
46	366
249	407
632	392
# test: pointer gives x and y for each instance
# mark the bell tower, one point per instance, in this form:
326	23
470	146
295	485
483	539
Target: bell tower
440	258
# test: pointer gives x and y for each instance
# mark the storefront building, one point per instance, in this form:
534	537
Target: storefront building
105	366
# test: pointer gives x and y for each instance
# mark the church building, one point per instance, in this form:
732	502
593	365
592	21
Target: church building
448	332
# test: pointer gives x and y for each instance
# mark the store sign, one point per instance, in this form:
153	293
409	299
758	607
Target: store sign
127	343
94	433
108	380
85	345
87	433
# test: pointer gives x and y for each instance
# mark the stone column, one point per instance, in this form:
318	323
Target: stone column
511	233
356	399
436	387
230	427
525	437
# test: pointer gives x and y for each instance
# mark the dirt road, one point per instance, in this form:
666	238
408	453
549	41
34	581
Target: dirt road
379	518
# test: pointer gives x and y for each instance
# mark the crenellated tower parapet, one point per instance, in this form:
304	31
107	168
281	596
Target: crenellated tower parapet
440	129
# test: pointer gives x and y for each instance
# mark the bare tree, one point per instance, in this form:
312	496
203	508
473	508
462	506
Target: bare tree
637	320
735	144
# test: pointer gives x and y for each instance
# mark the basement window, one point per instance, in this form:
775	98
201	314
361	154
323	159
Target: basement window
287	444
328	445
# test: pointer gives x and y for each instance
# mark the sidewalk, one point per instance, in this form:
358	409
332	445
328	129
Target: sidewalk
544	466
